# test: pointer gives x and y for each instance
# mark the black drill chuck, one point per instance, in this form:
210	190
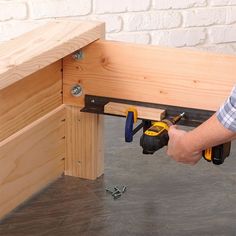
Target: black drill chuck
151	144
156	137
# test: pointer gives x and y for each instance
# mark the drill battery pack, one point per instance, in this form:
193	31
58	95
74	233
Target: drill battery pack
217	154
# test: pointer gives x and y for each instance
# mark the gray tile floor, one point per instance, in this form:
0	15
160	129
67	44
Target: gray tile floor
163	197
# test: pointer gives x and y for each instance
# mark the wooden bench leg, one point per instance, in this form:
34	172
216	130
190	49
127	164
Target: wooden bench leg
84	144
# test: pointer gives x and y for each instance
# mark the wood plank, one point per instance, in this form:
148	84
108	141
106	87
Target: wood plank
145	73
143	112
29	99
84	144
39	48
31	158
84	140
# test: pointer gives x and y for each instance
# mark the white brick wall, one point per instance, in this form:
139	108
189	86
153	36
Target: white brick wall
205	24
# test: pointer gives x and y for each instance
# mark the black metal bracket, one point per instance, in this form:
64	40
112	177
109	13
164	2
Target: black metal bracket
193	117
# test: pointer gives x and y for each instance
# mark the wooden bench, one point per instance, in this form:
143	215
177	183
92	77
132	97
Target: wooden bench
44	134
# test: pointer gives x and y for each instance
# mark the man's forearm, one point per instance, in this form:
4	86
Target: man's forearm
187	147
208	134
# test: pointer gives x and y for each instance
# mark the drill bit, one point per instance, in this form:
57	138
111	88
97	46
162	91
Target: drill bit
178	118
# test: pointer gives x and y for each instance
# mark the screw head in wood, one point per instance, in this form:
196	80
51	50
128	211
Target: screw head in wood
78	55
76	90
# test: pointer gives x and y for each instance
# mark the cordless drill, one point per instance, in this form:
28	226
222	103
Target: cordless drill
156	137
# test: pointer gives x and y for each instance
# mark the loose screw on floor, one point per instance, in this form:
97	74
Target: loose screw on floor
116	192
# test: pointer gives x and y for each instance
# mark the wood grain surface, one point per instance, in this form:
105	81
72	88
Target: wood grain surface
142	112
32	51
32	117
84	144
145	73
30	98
31	158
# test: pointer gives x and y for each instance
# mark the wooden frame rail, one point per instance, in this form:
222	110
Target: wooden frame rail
177	77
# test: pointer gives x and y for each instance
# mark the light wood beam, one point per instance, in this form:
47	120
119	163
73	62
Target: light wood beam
84	144
142	112
43	46
31	159
30	98
177	77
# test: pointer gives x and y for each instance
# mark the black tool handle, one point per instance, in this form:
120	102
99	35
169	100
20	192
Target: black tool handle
217	154
151	144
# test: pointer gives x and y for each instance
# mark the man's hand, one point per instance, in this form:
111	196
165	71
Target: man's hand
180	149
